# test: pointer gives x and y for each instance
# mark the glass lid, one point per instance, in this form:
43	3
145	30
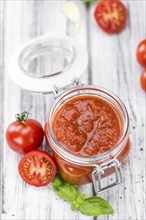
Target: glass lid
48	60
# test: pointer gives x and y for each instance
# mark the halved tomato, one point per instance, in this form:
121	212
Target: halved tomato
111	15
37	168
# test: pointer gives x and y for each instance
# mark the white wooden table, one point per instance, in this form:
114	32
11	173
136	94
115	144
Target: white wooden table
112	64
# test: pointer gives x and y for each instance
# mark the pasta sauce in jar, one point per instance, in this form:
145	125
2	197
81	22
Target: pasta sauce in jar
87	128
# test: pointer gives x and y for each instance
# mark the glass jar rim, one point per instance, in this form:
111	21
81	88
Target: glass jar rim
59	149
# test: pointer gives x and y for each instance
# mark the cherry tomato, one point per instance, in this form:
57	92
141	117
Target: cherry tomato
143	80
37	168
141	53
24	135
111	15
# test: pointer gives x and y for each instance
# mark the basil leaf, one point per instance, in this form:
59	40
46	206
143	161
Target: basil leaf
68	192
57	182
81	198
76	203
64	190
94	206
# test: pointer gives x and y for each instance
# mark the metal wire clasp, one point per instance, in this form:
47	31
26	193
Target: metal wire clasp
76	81
58	91
99	171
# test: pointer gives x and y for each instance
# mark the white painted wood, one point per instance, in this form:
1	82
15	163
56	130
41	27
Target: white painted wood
112	65
115	67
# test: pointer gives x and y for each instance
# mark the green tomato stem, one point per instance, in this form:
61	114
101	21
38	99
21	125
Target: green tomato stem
22	117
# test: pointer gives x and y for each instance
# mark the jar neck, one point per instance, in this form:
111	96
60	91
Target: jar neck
88	90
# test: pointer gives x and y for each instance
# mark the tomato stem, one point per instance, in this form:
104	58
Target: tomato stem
22	117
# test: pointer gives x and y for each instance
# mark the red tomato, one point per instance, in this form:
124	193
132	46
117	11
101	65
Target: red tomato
37	168
141	53
24	134
111	15
143	80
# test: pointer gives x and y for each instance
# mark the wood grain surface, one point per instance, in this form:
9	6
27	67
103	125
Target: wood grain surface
113	65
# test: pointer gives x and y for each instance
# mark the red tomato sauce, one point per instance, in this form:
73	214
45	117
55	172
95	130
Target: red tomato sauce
87	126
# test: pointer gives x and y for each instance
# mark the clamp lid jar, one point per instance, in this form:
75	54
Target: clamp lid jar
80	168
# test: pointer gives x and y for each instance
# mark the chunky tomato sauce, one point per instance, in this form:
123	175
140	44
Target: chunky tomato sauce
87	126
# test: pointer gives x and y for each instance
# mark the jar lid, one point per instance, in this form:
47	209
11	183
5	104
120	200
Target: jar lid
47	60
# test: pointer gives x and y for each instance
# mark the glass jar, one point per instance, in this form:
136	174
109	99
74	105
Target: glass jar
81	170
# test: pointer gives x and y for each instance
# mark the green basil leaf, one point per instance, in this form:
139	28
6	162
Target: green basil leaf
76	203
64	190
81	198
57	182
68	192
94	206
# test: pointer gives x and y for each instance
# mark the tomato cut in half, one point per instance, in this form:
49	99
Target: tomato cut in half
37	168
111	15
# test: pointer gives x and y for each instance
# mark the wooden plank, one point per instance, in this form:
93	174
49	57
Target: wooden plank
32	19
114	66
28	200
